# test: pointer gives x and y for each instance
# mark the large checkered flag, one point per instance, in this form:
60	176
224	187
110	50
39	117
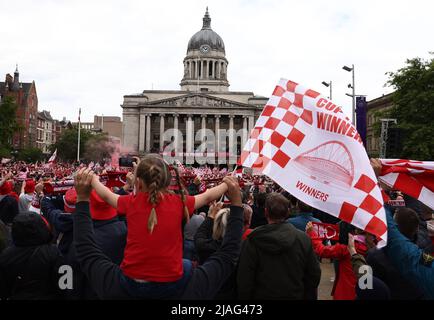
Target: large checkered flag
307	145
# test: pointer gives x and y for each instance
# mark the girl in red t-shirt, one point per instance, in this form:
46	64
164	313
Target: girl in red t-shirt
153	263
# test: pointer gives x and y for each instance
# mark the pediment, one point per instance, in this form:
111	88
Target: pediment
197	100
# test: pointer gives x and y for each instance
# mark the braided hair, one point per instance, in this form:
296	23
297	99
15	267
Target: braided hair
155	174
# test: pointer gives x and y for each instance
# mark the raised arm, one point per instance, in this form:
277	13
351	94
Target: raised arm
23	186
104	276
208	278
408	258
210	195
337	251
104	192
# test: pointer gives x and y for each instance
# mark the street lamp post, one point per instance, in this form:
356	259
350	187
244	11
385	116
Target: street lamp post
353	86
329	85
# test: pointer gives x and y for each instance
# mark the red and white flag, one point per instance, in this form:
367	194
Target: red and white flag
238	171
53	157
306	144
414	178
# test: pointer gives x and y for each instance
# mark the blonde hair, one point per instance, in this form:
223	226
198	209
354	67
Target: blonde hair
155	174
220	222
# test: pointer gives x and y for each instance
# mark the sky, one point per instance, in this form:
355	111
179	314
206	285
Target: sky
90	53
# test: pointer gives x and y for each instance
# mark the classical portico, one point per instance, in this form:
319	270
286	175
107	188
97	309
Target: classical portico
204	102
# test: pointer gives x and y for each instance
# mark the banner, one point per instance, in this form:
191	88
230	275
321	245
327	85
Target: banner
306	144
326	231
414	178
361	110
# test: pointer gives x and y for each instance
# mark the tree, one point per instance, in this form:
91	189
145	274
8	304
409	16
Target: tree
8	123
30	155
413	107
67	144
93	146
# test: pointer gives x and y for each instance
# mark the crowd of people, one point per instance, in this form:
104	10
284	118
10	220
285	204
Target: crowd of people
170	232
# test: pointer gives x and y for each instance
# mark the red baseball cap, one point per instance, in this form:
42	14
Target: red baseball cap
69	200
99	209
30	186
6	188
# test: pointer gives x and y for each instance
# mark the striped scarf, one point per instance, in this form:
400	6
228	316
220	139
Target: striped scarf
414	178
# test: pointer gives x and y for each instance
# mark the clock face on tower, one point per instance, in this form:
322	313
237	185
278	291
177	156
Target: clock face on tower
204	48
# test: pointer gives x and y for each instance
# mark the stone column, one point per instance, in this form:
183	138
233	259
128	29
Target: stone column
189	132
203	126
232	146
175	128
205	69
216	133
162	115
245	132
142	128
251	123
148	132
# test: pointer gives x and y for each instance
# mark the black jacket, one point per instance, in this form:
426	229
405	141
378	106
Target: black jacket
204	243
258	217
5	236
110	236
8	209
29	269
206	246
278	262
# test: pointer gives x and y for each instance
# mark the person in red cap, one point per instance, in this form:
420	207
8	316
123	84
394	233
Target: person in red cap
69	200
26	195
8	204
110	231
110	236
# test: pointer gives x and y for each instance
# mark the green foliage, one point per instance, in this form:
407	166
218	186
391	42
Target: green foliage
5	152
30	155
93	146
8	123
414	107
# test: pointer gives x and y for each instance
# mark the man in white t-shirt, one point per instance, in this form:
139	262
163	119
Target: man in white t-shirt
26	195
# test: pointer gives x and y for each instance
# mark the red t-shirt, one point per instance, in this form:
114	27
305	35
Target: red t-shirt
155	257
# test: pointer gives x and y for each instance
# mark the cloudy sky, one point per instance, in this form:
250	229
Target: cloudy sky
89	53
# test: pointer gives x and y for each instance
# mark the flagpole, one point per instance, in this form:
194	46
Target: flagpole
232	175
78	142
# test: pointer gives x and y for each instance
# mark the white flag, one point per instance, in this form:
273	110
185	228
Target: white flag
53	157
308	146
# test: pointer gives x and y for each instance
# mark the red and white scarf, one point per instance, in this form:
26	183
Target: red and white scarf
414	178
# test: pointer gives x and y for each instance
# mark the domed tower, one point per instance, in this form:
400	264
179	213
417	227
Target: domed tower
205	66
